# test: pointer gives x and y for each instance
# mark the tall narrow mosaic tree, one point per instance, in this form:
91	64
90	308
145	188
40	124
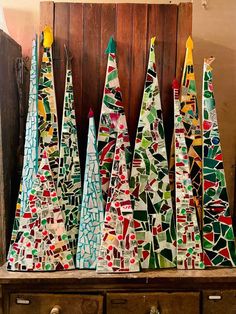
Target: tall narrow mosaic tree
92	212
47	110
30	163
112	115
218	237
69	179
192	129
118	251
41	243
189	248
149	183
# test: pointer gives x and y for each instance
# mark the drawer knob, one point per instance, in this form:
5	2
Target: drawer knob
154	310
56	310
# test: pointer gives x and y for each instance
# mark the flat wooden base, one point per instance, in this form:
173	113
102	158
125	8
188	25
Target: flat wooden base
195	291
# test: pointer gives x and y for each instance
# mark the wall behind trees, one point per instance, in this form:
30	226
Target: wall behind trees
214	33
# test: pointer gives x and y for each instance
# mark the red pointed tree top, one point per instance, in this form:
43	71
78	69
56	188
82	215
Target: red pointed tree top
90	115
175	84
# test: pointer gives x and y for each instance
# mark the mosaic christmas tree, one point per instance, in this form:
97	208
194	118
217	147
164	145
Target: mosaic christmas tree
118	251
48	124
30	164
69	180
172	171
41	243
112	115
218	236
92	212
149	183
192	128
189	249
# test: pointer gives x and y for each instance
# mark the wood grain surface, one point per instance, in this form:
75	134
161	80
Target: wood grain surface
9	138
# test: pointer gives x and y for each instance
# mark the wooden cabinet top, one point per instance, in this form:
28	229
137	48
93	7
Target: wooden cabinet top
164	278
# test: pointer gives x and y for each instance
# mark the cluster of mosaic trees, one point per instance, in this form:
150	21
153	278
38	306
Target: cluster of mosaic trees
125	216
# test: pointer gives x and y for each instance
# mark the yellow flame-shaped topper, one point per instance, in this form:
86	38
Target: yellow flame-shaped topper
189	43
47	37
153	39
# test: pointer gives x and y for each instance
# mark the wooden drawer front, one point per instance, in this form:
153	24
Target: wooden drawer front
154	303
219	302
44	303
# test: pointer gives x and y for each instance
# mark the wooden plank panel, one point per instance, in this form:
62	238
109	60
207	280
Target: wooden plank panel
46	18
168	70
9	139
108	28
90	67
124	34
46	14
61	37
76	50
184	29
156	15
138	65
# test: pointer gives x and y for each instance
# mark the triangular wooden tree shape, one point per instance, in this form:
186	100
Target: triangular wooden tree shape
41	243
112	111
189	248
118	251
218	236
30	164
150	189
48	122
92	212
192	129
69	178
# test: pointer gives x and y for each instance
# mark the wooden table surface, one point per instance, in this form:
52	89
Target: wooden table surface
225	276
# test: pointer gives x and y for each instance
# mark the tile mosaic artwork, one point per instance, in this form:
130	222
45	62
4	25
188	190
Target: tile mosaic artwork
41	243
30	164
69	177
118	251
149	182
172	171
112	115
192	128
189	248
218	236
47	110
92	212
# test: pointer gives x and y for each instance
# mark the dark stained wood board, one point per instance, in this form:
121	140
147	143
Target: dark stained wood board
9	138
86	29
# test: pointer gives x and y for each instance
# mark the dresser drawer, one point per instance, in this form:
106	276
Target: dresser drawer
61	303
154	303
219	302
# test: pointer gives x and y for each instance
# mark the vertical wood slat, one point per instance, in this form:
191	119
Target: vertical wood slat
108	29
61	38
46	19
9	138
76	50
184	29
156	28
46	14
90	68
124	34
138	66
168	70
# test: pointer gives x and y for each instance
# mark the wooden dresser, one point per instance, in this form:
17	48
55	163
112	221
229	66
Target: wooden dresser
76	292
